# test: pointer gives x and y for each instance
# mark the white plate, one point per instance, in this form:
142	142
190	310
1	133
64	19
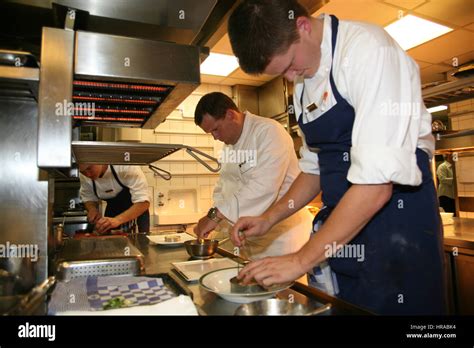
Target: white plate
160	239
193	270
218	282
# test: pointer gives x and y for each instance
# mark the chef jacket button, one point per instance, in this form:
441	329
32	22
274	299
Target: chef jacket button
327	69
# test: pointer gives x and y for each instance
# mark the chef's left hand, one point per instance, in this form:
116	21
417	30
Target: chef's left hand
204	227
106	223
273	270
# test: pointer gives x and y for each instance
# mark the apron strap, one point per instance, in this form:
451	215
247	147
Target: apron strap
116	177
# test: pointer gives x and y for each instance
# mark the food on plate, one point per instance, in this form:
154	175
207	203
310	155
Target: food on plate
172	239
237	286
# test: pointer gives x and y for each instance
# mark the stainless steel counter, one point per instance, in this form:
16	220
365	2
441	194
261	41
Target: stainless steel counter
158	259
460	234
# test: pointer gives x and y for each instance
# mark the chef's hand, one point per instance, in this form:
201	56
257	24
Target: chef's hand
106	223
250	226
93	215
204	227
273	270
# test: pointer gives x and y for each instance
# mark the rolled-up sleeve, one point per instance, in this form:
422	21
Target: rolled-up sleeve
389	111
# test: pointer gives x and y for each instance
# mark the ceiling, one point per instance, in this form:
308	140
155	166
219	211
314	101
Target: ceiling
434	57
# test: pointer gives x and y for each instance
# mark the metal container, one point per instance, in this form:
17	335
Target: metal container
114	255
201	248
279	307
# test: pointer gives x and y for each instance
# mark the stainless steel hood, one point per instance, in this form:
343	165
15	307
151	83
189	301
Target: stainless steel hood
97	79
167	72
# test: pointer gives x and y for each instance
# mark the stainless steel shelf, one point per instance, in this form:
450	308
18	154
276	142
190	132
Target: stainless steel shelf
98	152
449	92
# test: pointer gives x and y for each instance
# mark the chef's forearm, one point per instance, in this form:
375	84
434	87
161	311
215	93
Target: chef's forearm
91	206
302	191
354	211
133	212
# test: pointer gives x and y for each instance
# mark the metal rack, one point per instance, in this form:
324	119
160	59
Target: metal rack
449	92
99	152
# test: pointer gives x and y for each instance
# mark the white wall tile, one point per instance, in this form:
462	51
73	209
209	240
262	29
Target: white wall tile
204	191
163	139
176	181
202	141
176	168
189	140
148	136
203	180
190	181
190	168
176	114
189	105
163	127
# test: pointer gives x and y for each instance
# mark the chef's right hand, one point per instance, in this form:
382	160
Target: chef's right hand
248	226
93	215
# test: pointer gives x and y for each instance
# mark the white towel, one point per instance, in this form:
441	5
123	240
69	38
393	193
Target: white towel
181	305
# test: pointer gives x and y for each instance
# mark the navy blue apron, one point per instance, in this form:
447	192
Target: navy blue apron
122	202
402	271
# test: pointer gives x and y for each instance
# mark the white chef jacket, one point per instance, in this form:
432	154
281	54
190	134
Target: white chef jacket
107	187
374	75
445	177
262	170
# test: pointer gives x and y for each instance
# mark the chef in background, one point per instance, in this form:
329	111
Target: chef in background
125	190
259	164
445	187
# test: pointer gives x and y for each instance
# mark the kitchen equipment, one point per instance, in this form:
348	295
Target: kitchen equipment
280	307
218	282
30	303
17	275
203	248
169	239
193	270
111	255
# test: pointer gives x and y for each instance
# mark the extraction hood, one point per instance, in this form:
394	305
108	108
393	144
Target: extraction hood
131	82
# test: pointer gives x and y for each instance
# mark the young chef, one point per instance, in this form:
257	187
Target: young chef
125	190
368	155
258	166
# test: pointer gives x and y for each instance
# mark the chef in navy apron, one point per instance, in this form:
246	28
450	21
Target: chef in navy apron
125	190
382	252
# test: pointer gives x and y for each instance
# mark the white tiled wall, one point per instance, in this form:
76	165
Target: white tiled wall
190	178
